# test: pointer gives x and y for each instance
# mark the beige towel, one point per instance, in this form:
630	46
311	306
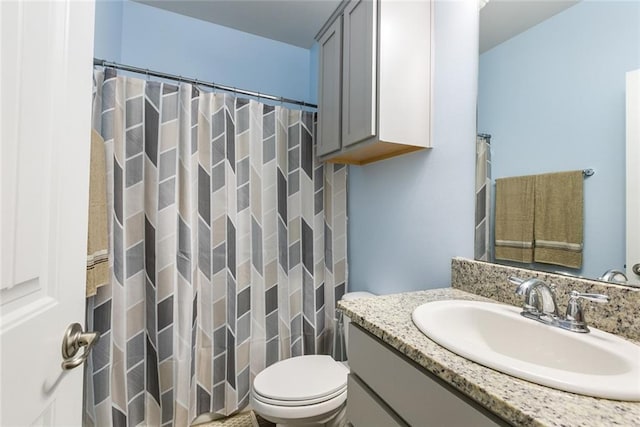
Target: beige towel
514	218
98	239
559	219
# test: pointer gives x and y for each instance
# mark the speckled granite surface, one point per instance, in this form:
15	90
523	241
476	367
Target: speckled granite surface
620	316
519	402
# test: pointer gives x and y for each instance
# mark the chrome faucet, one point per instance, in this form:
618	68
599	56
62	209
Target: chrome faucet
610	276
539	299
540	304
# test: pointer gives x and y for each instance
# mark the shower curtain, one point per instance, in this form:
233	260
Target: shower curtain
227	250
483	250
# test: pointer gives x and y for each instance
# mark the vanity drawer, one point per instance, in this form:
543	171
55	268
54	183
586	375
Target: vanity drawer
417	396
365	409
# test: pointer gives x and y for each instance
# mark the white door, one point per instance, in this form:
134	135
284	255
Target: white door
633	176
45	91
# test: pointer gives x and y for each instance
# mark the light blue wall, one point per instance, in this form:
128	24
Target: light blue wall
165	41
314	58
553	99
108	30
408	216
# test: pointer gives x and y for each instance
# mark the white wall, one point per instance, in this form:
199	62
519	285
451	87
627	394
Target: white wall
408	216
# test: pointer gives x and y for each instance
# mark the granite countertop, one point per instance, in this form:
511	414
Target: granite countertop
518	401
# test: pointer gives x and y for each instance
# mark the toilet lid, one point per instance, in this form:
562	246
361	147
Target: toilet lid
302	378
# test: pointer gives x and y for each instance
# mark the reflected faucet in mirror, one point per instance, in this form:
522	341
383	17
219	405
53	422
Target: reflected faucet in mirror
614	276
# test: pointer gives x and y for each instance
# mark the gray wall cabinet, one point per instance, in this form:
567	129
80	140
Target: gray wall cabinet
374	81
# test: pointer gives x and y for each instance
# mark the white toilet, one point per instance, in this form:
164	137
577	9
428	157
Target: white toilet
308	391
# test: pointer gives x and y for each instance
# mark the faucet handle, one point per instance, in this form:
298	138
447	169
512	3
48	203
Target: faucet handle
516	280
601	298
574	315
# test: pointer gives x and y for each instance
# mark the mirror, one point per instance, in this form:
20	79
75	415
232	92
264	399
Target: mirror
553	99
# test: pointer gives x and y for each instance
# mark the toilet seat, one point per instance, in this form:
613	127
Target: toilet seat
301	402
302	387
301	380
310	378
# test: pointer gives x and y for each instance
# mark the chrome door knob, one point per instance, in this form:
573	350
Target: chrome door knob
73	340
636	269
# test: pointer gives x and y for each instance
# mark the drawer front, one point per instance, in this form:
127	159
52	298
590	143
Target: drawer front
416	396
365	409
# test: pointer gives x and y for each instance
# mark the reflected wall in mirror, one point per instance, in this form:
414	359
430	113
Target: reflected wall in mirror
553	99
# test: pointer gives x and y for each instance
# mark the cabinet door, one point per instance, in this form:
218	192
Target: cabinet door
359	71
329	130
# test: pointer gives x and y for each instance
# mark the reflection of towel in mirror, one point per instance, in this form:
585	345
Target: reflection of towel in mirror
514	218
559	218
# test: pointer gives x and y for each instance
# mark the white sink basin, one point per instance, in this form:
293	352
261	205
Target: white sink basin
596	364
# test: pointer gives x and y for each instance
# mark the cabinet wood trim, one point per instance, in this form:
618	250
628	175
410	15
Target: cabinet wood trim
369	153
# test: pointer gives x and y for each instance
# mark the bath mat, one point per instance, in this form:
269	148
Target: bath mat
243	419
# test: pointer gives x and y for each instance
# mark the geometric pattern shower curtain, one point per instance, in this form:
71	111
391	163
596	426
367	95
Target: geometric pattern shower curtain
227	250
483	250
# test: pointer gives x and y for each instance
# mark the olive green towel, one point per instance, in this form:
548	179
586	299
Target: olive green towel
559	218
514	218
97	239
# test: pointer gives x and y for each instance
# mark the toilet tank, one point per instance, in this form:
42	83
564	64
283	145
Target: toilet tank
341	335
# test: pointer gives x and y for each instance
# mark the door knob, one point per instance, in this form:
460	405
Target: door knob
636	269
72	341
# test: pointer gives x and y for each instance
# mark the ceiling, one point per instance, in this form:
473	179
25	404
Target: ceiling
297	22
501	19
294	22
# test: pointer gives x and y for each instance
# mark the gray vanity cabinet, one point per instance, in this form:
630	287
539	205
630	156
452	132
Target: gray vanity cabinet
386	389
374	81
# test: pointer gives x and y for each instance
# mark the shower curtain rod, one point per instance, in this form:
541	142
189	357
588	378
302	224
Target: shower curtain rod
110	64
